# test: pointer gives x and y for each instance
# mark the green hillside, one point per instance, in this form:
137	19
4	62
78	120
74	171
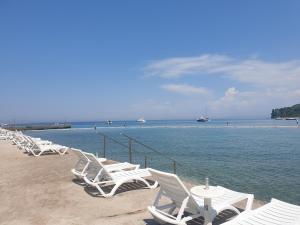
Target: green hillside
293	111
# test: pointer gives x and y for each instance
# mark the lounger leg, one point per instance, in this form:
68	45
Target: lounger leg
171	210
117	185
158	197
63	151
111	193
41	152
33	153
249	202
181	210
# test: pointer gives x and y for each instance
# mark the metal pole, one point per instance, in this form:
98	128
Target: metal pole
104	146
145	161
174	167
130	150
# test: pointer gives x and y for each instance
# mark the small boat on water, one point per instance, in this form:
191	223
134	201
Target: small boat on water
108	122
202	119
290	118
141	120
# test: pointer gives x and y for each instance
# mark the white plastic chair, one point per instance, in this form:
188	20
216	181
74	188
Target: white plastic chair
180	198
80	168
106	175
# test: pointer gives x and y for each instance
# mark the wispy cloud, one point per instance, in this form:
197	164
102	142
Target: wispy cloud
252	70
185	89
268	84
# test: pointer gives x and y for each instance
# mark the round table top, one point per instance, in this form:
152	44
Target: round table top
211	192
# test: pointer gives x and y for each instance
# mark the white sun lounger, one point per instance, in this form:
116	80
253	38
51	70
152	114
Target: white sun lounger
38	141
6	135
19	140
37	144
81	166
104	176
3	137
274	213
115	167
25	142
95	168
38	150
173	189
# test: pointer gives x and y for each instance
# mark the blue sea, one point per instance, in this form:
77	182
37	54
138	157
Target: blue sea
254	156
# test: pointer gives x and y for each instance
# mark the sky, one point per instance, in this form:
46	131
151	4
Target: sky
120	60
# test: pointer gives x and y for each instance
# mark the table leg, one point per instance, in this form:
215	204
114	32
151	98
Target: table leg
207	210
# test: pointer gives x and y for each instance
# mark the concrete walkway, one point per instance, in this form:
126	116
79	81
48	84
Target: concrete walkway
42	190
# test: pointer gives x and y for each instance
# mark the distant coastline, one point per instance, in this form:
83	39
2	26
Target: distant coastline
286	112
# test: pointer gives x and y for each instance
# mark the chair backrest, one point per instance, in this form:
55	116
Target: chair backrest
29	140
95	166
82	159
173	188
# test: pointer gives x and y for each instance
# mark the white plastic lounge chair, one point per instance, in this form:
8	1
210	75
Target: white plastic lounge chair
3	137
95	168
115	167
6	135
38	150
24	142
82	164
103	176
274	213
37	144
17	137
172	188
21	141
37	141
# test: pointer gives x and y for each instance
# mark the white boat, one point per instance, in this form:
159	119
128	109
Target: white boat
202	119
290	118
141	120
108	122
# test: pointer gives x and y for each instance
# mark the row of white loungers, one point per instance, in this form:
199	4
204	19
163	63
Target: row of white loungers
182	205
33	146
5	134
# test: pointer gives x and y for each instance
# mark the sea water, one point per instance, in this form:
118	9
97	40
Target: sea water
253	156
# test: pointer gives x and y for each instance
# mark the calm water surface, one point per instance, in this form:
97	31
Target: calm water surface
254	156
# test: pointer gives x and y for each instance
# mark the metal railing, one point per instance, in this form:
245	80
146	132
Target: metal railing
130	142
130	149
105	138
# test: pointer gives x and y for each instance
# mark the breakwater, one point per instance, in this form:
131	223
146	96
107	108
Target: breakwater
37	127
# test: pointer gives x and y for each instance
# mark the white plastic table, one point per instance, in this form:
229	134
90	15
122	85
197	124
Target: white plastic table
207	194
